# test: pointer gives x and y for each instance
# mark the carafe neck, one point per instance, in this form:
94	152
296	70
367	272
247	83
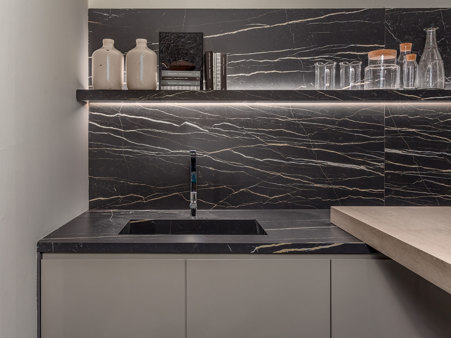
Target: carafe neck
431	38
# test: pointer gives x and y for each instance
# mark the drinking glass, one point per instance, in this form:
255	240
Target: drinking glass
350	75
325	75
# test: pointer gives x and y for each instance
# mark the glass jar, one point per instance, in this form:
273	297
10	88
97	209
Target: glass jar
382	71
404	49
410	72
431	71
325	75
350	75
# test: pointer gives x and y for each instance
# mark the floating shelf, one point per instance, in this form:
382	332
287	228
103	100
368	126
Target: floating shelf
260	95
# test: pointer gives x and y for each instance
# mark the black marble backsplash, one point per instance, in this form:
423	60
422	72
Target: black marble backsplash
272	155
276	48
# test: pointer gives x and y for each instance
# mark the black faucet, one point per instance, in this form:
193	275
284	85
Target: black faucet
193	184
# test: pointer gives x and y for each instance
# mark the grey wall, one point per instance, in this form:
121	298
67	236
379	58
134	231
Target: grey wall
43	142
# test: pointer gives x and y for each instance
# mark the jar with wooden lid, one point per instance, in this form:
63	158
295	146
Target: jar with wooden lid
382	71
410	72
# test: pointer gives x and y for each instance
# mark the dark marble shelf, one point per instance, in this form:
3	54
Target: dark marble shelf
260	95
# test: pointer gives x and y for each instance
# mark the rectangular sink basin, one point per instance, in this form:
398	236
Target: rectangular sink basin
193	227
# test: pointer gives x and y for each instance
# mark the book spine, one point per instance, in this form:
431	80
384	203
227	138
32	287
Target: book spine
180	87
181	73
209	70
218	70
214	71
180	83
223	71
180	78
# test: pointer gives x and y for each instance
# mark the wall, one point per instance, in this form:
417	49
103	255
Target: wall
267	4
277	155
43	142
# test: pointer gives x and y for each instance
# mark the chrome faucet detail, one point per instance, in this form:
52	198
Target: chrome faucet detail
193	184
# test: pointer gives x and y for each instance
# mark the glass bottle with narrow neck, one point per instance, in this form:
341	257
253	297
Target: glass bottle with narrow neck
404	49
431	71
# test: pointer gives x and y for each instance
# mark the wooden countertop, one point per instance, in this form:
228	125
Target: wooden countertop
417	237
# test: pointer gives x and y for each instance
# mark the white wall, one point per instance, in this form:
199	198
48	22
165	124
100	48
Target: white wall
268	3
43	142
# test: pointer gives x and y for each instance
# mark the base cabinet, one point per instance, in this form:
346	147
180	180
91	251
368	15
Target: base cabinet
112	298
262	298
243	296
378	298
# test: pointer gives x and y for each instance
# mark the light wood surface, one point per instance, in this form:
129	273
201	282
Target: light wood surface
417	237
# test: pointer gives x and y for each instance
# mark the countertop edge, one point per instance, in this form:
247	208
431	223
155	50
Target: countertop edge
46	247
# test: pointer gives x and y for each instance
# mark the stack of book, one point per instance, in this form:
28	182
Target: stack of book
215	71
180	80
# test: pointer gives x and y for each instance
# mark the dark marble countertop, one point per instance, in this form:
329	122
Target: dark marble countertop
288	232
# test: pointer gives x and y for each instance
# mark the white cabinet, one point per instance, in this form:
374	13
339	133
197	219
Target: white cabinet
243	296
378	298
112	297
262	298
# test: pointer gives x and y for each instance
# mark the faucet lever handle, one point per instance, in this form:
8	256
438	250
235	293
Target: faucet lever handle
193	160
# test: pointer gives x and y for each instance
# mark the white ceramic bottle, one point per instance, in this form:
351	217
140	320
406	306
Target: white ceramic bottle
107	67
141	67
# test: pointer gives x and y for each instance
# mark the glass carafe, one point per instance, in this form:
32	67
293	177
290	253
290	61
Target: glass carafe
431	71
382	71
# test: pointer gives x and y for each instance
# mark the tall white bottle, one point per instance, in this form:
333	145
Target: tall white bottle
107	67
141	67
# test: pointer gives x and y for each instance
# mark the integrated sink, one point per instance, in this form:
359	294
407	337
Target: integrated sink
193	227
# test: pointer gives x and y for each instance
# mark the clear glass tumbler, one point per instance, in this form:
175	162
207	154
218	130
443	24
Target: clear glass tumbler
410	72
325	75
382	71
431	71
350	75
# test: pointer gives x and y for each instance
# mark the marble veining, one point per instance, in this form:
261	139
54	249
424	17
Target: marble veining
268	48
249	156
407	25
418	155
276	48
320	152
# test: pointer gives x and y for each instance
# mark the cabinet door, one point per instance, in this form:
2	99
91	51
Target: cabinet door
262	298
380	298
113	298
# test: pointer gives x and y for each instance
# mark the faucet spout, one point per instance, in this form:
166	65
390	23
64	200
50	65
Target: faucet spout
193	184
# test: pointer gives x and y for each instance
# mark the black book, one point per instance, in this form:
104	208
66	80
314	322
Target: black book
223	71
208	62
181	52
